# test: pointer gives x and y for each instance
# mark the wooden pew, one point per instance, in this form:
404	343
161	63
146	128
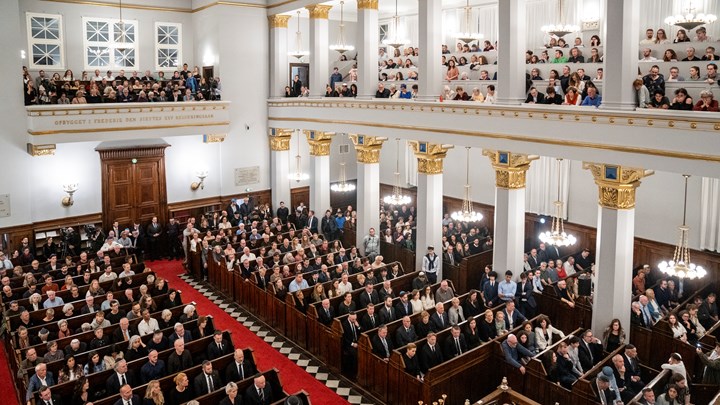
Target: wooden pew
567	318
468	274
657	384
271	377
537	385
583	387
303	396
507	396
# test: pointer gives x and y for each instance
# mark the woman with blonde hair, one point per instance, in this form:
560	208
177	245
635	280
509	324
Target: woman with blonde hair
182	392
318	293
153	394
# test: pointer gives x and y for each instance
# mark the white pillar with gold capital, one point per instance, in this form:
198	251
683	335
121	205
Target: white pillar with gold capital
429	202
279	68
430	26
367	149
319	49
512	30
509	238
280	165
615	240
368	38
319	170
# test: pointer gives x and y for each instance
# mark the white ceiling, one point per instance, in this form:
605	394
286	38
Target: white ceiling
386	8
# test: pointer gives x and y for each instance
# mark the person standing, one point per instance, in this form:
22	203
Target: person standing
154	230
431	264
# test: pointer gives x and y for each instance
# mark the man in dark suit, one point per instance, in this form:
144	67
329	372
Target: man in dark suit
42	377
90	307
124	332
524	296
219	347
241	368
351	332
369	296
430	354
208	381
329	226
406	333
590	350
632	367
381	345
326	313
605	395
455	344
312	222
371	320
47	398
490	290
534	96
180	333
283	212
259	393
450	256
387	312
120	377
440	318
542	253
179	359
154	231
127	397
533	259
403	308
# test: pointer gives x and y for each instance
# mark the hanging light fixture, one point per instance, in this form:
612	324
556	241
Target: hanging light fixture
556	236
395	41
396	198
680	265
298	175
467	214
467	35
343	186
298	53
561	29
341	46
690	19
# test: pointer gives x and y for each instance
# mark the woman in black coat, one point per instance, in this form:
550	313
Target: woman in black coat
412	364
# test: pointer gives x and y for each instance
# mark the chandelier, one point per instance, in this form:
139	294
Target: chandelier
467	214
298	175
557	236
298	53
396	42
680	265
343	186
397	198
690	20
561	29
341	46
467	35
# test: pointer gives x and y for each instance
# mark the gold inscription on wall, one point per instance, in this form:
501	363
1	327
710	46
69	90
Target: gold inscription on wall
131	120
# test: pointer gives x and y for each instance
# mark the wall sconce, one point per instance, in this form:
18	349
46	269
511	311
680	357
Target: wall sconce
70	189
200	174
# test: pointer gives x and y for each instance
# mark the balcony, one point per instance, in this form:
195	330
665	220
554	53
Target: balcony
681	142
48	124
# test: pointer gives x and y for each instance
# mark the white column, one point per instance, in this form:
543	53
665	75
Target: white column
367	149
511	52
508	240
319	43
429	65
319	143
280	166
612	295
621	61
368	39
279	68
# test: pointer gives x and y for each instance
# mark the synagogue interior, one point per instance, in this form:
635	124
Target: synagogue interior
361	202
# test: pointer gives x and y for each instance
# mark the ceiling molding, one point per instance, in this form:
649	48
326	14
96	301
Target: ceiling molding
169	9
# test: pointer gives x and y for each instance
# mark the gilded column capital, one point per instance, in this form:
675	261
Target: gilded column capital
367	148
616	184
430	156
319	11
279	20
280	138
214	138
41	150
510	168
319	142
367	4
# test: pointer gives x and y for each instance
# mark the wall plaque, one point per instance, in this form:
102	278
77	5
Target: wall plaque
245	176
5	205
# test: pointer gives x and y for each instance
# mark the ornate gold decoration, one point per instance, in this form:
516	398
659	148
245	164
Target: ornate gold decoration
367	4
319	11
319	142
616	184
430	156
367	148
279	138
278	21
510	168
214	138
41	150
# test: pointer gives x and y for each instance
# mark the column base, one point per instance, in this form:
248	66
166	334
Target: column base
509	101
622	106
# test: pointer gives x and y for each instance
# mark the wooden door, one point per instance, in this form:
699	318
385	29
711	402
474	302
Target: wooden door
298	195
133	184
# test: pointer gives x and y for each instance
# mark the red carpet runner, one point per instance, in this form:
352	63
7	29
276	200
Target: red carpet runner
292	376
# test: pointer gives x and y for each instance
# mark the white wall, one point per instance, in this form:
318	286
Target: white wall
185	156
73	30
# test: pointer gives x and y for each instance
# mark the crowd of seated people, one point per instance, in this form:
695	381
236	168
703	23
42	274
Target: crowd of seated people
183	85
